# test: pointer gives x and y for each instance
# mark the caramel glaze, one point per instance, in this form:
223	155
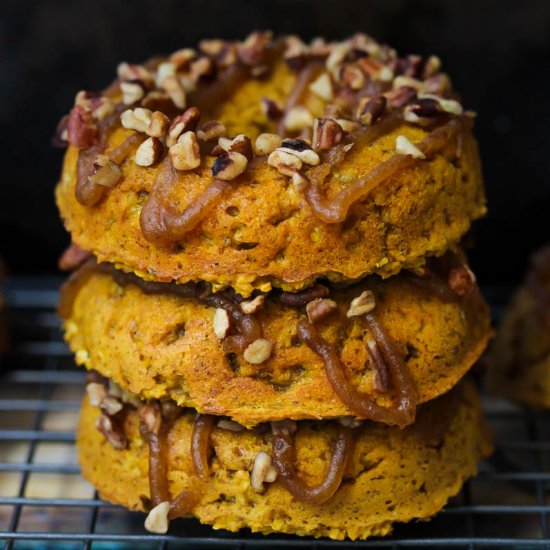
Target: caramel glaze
360	404
160	223
336	210
284	458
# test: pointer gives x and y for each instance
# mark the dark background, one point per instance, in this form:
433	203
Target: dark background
497	52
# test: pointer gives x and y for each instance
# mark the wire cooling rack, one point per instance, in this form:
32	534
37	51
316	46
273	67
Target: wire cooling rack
44	503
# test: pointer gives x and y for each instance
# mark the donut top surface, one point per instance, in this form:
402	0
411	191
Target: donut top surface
270	162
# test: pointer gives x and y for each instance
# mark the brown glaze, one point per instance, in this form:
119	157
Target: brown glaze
200	443
336	209
160	223
284	456
357	402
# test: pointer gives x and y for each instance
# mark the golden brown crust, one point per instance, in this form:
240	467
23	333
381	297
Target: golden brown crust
160	346
393	476
263	232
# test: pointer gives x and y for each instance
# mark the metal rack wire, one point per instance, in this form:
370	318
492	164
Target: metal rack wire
45	504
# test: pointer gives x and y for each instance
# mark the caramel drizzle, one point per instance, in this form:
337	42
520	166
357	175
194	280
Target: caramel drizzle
358	403
200	443
160	223
284	456
336	209
306	75
159	490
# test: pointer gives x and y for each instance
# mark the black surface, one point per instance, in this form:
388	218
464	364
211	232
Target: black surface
498	53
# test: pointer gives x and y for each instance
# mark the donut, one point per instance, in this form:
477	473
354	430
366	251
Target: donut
380	475
272	168
174	352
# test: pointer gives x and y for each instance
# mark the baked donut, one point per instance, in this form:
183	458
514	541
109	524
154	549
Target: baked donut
378	475
519	359
271	163
176	351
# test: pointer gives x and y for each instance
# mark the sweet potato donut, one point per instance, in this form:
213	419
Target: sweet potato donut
378	171
164	345
390	475
519	359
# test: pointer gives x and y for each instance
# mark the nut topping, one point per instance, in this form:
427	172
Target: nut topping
203	69
252	306
151	418
164	70
81	130
221	323
271	109
240	144
301	149
229	166
408	81
112	432
284	427
96	393
149	152
132	91
182	123
181	58
230	425
137	119
447	105
101	107
107	173
421	108
185	154
267	143
211	131
371	110
157	519
352	77
158	125
362	304
349	422
297	119
404	147
461	280
127	71
258	351
111	405
262	472
348	126
286	163
319	309
174	89
399	97
322	87
326	133
251	51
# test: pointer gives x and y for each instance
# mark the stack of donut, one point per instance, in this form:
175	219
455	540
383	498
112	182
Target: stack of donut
268	287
